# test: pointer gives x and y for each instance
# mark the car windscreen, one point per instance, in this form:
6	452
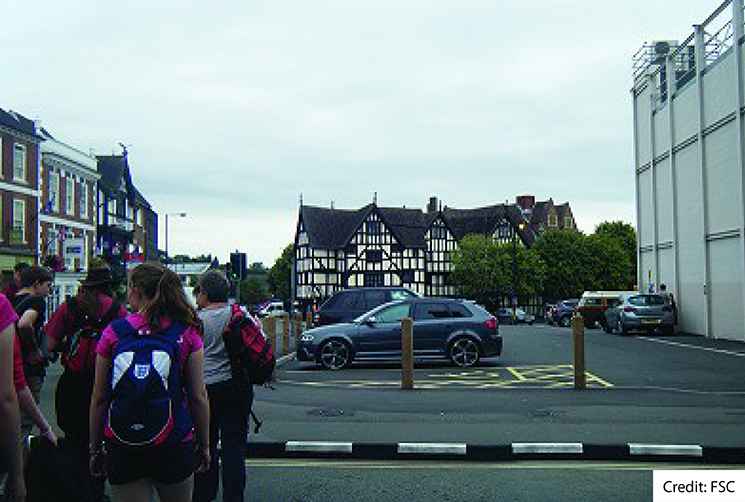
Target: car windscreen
646	301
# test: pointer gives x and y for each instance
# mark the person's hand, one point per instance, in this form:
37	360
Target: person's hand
203	459
15	489
97	462
49	436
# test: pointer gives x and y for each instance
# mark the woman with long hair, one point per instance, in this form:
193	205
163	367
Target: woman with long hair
74	330
149	415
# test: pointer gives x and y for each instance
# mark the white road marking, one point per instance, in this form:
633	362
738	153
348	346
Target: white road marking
707	349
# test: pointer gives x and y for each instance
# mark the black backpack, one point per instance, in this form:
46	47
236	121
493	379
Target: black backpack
79	349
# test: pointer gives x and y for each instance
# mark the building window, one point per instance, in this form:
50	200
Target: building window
69	196
373	279
54	191
18	234
19	162
373	227
568	222
1	157
84	200
552	221
374	256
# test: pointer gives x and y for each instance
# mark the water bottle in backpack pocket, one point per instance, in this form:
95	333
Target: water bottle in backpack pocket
147	396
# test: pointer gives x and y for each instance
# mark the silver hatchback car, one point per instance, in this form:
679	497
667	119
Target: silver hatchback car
641	312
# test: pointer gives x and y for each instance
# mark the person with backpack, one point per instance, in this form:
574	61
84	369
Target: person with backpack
149	415
74	330
30	305
230	399
11	453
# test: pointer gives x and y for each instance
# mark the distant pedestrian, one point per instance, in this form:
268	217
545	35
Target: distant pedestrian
13	286
149	401
669	299
11	455
74	330
230	400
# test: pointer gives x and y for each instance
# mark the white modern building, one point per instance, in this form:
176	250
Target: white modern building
689	141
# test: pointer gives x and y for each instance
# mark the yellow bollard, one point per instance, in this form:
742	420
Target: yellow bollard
308	320
407	353
286	333
270	328
578	339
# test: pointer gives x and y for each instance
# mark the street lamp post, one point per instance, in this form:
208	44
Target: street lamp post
520	228
180	215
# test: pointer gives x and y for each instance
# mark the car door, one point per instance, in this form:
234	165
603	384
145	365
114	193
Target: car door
432	323
380	334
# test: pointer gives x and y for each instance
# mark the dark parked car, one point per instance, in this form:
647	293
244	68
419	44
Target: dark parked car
562	312
443	328
640	312
349	304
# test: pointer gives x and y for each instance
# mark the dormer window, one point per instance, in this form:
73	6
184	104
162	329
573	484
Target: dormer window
553	221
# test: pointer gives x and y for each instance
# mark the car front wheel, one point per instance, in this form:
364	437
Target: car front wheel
464	352
335	354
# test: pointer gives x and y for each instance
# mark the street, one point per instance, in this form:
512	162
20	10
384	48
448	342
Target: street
672	390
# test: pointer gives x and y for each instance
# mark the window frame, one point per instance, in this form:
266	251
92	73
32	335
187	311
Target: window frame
69	196
83	200
20	147
54	194
15	214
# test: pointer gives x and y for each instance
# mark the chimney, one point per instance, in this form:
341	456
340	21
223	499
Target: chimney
526	202
432	206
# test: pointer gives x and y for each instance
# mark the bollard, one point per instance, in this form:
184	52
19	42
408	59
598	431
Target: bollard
578	339
286	333
270	328
308	320
407	353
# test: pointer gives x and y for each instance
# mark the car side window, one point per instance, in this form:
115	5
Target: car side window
374	298
459	310
431	310
349	300
393	313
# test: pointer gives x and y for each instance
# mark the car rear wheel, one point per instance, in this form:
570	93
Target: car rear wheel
464	352
335	354
622	328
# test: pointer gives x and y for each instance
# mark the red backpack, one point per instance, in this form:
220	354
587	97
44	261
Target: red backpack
251	355
80	348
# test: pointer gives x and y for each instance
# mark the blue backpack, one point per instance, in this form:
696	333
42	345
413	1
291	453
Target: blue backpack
147	400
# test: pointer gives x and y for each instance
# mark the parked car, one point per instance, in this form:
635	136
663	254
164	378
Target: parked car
272	309
505	316
640	312
562	312
593	304
349	304
458	330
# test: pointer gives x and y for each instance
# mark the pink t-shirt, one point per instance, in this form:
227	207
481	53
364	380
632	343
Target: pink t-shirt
7	317
189	342
62	320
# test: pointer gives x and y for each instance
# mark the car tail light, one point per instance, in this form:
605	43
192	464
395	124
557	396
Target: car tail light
629	309
492	323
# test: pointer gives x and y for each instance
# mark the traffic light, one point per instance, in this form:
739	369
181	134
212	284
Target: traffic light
238	265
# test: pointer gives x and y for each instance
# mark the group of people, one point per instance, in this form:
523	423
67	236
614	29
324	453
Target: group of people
146	393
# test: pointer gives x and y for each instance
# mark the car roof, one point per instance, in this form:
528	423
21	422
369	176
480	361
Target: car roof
607	294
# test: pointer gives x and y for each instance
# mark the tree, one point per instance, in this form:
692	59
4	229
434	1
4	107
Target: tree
486	271
564	254
625	235
253	291
278	279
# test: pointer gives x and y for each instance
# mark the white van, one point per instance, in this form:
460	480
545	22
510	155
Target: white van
274	309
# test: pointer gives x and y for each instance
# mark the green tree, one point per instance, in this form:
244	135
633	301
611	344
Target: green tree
608	266
278	278
625	234
564	254
488	271
253	291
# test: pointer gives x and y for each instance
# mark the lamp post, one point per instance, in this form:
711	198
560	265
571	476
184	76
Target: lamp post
180	215
520	228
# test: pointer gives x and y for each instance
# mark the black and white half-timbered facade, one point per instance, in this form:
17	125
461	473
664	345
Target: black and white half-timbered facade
379	246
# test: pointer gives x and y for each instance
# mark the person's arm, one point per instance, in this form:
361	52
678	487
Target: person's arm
27	334
28	406
99	401
198	406
10	440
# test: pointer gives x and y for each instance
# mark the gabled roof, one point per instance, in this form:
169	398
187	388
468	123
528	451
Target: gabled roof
334	228
113	168
486	220
18	122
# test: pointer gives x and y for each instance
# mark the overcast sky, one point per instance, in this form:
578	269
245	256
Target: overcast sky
232	109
